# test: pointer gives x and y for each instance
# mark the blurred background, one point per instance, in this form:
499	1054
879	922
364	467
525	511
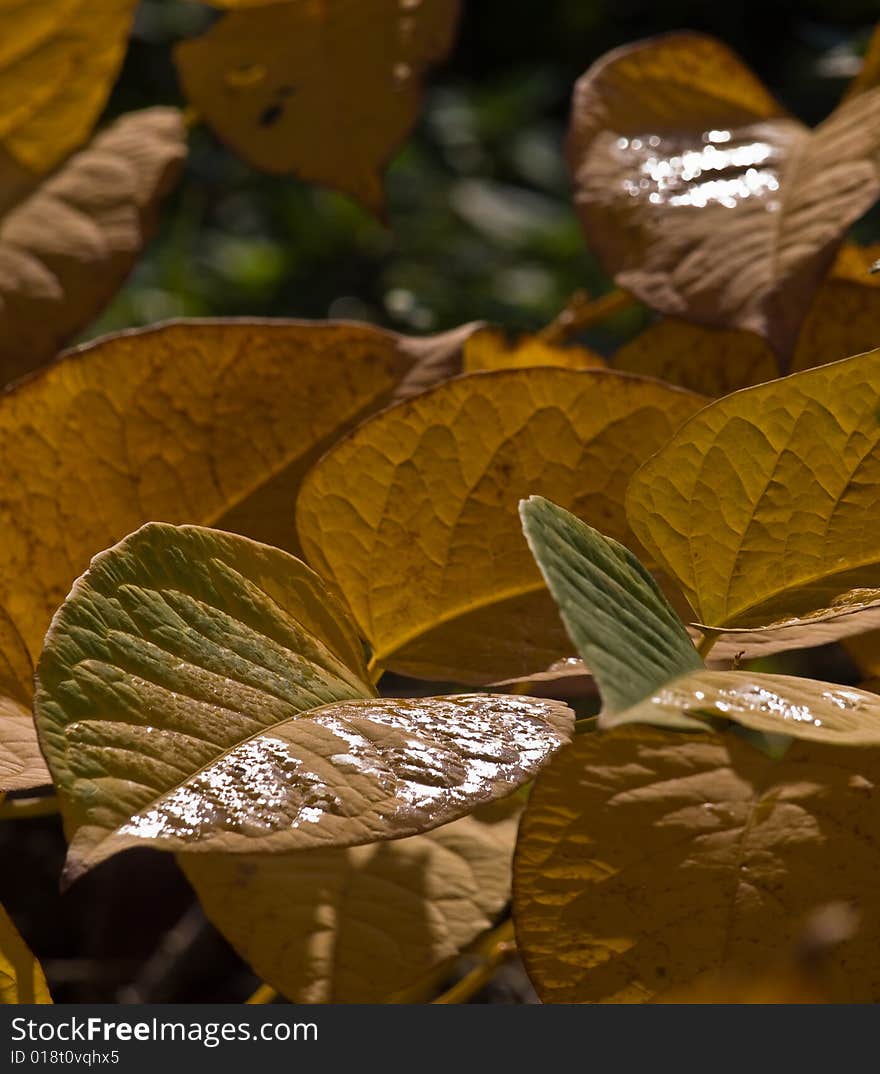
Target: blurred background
481	225
481	228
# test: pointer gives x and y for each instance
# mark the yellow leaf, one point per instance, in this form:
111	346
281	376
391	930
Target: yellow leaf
758	506
361	925
842	320
201	692
490	348
69	243
703	197
206	421
414	516
799	975
327	89
646	860
58	62
712	361
21	978
213	422
21	762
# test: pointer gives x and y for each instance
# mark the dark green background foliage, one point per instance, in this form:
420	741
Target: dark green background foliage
481	222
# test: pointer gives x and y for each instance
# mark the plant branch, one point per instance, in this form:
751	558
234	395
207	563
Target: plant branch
264	994
26	808
582	311
496	948
706	644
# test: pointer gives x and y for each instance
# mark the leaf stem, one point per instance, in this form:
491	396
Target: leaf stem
582	311
264	994
706	644
496	948
26	808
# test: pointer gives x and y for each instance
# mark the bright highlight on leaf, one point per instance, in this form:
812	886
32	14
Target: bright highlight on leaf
67	244
58	62
703	197
327	90
642	657
647	860
413	517
774	704
21	978
759	505
362	924
201	692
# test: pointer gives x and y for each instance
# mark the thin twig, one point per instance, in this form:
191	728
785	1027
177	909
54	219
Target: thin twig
264	994
582	311
497	947
26	808
151	983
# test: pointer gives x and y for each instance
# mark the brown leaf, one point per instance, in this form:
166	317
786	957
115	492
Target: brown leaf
327	90
68	245
703	197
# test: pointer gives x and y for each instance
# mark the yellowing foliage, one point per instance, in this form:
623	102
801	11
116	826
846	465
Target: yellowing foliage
327	89
413	517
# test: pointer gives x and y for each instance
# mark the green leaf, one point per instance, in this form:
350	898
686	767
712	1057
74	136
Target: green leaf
201	692
617	617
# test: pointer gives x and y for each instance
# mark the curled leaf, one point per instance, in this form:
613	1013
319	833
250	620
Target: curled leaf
703	197
201	692
774	704
67	244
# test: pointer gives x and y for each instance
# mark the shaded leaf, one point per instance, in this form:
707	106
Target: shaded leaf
69	243
361	925
21	978
201	692
58	62
413	516
567	679
712	361
703	197
491	349
842	320
326	90
21	762
757	506
614	612
646	860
